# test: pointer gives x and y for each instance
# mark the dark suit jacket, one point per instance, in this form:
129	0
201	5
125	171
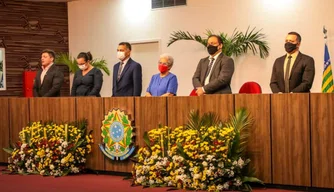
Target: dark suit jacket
130	82
301	75
221	75
51	85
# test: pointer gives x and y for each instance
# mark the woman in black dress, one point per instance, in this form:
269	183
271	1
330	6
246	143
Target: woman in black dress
88	80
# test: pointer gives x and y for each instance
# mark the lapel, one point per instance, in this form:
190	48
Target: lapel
281	68
205	68
299	57
38	78
127	66
46	74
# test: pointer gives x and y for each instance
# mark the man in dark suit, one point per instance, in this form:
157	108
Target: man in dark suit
127	75
49	79
293	72
214	73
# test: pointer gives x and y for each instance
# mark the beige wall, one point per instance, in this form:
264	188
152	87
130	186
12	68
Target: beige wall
99	25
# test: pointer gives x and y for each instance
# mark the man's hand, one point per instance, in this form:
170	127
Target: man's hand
199	91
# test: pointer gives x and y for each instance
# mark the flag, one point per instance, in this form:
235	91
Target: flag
327	77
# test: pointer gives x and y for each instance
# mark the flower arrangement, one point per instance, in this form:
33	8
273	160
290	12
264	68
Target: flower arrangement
50	149
205	154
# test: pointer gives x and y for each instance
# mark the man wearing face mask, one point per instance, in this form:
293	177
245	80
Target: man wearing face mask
293	72
127	75
214	73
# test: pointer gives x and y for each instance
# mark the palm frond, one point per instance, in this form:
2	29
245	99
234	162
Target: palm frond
195	121
237	44
185	35
101	64
66	59
241	122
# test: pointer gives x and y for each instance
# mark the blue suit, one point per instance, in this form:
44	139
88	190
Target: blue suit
130	82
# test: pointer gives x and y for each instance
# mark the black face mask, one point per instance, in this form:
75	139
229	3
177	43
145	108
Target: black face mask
212	49
289	47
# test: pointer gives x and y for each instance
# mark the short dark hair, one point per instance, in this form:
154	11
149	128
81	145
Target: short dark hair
87	56
50	52
299	38
220	40
126	44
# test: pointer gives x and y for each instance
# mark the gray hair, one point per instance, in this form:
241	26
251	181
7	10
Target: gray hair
170	59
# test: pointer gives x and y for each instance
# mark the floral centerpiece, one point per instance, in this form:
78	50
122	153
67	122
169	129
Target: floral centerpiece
50	149
205	154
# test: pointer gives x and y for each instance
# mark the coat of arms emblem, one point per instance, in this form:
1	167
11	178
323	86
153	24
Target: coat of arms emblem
117	133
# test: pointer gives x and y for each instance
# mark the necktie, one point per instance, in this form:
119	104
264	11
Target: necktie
209	67
120	70
287	75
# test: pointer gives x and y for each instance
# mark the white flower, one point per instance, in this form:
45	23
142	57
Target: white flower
74	169
203	186
166	179
20	170
210	157
231	174
63	161
220	187
241	162
64	144
237	182
47	150
226	185
151	182
198	176
205	164
24	145
60	148
170	183
140	179
42	172
208	172
52	167
234	163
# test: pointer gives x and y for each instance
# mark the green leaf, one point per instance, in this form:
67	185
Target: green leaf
147	141
125	120
252	180
8	150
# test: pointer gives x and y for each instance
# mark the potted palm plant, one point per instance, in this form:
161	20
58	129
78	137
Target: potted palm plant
67	59
235	45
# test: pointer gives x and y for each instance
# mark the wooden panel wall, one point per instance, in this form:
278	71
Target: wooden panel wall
59	110
150	112
92	109
258	105
222	105
4	128
322	131
18	116
128	105
26	28
291	139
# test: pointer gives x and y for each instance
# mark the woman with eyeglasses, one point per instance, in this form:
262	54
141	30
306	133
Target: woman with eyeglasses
164	83
88	80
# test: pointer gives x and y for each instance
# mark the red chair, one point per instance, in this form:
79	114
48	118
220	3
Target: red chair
193	93
250	87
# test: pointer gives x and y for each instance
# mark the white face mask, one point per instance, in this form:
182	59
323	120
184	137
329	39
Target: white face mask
120	55
82	67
